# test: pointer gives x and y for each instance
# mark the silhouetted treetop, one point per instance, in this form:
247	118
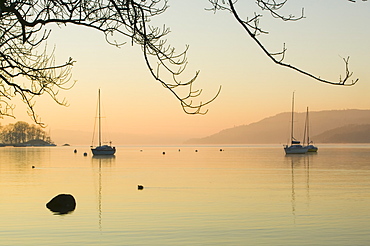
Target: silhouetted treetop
22	132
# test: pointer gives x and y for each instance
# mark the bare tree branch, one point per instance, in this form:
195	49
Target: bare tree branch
251	26
22	22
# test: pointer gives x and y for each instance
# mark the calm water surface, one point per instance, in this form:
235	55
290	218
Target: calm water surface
240	196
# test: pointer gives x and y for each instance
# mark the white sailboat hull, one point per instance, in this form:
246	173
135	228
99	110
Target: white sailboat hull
104	150
295	149
311	148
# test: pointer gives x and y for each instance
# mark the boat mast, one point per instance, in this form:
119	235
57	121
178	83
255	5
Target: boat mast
308	129
99	118
305	133
291	133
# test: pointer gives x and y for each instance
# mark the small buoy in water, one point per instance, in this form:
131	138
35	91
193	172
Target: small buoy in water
164	153
179	150
33	166
140	187
196	150
75	151
85	154
221	150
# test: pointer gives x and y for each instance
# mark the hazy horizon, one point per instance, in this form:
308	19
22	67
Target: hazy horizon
273	123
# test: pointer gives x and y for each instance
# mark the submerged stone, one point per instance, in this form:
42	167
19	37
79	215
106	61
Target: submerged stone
62	204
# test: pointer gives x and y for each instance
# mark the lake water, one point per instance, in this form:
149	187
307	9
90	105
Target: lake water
247	195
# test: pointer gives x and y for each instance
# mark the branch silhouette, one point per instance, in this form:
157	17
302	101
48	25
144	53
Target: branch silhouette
253	29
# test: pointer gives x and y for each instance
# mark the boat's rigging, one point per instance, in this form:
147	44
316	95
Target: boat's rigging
101	149
99	115
295	146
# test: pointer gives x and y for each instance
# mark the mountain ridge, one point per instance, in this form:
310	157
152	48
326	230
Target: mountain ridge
276	129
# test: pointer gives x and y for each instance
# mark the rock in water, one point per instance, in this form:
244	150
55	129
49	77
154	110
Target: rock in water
62	204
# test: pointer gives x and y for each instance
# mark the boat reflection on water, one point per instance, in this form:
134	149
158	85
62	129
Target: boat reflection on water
105	158
99	161
300	178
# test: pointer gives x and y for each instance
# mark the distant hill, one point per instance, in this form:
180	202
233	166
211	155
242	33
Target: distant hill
333	126
346	134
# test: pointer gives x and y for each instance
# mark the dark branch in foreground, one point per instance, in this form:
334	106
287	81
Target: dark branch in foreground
251	26
23	29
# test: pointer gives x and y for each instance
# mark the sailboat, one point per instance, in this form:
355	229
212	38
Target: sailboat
295	146
306	139
102	149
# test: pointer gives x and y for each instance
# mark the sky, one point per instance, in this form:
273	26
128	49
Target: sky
136	108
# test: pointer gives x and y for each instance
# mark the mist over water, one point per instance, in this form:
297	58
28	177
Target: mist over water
243	195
